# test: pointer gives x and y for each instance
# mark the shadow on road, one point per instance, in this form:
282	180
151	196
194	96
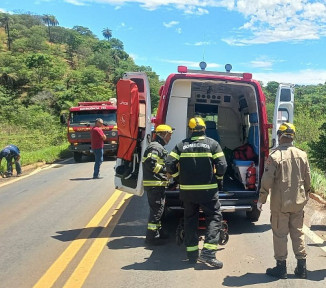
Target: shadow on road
318	227
249	279
173	259
81	179
317	244
239	224
82	233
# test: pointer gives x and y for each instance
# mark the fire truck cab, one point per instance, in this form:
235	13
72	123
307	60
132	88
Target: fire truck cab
80	122
233	107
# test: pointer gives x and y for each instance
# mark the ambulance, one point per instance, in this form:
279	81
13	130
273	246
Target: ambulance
233	107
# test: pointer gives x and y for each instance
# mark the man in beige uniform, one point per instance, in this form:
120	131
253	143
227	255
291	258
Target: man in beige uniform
287	176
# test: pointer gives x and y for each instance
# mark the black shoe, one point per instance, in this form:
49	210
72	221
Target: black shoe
301	270
279	271
210	261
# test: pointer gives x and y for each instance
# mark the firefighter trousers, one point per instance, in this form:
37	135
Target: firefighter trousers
213	218
284	224
156	202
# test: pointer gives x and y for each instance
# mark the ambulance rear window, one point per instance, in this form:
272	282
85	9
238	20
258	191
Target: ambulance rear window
285	95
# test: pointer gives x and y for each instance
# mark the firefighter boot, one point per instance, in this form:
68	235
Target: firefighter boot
301	270
279	271
153	237
192	256
208	257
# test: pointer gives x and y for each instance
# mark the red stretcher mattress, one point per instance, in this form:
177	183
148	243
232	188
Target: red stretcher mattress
127	118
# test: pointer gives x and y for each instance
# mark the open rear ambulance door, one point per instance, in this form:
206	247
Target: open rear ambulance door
284	109
134	131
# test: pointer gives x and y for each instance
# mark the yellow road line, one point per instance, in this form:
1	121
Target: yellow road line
56	269
314	237
85	266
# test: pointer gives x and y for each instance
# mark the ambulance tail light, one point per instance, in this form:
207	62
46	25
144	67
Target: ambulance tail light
247	76
182	69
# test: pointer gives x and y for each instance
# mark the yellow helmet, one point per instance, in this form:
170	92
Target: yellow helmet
164	128
286	129
196	123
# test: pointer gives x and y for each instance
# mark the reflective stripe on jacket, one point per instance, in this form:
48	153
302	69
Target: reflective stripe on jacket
200	159
153	164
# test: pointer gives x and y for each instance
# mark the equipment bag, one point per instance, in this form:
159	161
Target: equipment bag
245	152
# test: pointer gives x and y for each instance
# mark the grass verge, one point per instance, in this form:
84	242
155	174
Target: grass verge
318	183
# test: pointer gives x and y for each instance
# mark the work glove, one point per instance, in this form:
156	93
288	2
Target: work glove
260	206
220	184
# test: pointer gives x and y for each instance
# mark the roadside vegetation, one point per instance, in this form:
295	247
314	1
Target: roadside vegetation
45	69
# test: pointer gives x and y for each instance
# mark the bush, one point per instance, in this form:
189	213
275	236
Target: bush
318	183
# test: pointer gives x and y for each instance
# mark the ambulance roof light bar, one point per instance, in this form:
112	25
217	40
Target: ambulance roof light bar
245	76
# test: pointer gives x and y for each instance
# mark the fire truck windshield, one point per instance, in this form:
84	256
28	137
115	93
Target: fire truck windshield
88	117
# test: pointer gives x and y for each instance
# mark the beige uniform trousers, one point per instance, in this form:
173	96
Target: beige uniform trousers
284	224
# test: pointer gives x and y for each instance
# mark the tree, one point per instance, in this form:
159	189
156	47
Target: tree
107	33
50	20
116	44
84	31
318	149
40	63
5	20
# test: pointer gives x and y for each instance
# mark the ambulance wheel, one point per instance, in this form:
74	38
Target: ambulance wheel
254	214
78	157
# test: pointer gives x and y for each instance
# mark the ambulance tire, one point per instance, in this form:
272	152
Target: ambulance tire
254	214
78	157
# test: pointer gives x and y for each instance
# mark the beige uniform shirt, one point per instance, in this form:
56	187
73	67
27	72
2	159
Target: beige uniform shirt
287	177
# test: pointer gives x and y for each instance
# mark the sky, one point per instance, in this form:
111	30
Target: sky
275	40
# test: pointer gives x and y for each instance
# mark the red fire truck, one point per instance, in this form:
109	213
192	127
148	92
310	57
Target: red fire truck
233	106
80	121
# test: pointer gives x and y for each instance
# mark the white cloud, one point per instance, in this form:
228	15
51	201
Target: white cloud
2	10
200	43
280	20
178	30
170	24
265	64
302	77
76	2
265	21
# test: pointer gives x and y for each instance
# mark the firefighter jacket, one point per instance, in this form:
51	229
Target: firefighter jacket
154	172
287	176
198	162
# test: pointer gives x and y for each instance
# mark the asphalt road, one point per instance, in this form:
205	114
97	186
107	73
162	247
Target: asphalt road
60	228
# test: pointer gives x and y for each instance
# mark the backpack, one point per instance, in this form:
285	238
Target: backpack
245	152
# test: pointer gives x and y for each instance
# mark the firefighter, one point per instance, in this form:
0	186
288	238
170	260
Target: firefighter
155	181
199	163
287	177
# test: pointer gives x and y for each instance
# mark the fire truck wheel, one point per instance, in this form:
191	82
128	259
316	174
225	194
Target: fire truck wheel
78	157
254	214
